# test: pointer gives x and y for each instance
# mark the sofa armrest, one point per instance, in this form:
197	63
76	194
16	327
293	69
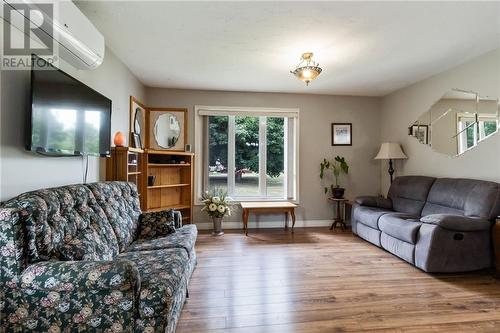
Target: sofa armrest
65	276
373	201
156	224
457	222
79	296
11	246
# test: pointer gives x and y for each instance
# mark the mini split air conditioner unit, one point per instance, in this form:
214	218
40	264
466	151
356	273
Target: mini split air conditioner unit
79	43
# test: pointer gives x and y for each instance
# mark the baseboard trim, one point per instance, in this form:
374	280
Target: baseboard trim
265	224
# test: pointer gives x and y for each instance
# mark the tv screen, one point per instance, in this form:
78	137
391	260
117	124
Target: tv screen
67	117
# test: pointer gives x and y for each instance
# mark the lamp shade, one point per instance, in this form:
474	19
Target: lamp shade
390	151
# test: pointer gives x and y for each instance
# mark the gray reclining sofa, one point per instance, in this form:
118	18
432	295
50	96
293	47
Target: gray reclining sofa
436	224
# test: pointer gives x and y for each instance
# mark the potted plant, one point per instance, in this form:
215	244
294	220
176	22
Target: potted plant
217	206
338	166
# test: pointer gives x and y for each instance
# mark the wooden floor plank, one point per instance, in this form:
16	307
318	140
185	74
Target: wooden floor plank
316	280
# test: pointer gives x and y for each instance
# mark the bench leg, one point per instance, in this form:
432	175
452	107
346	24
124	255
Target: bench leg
292	212
245	221
286	220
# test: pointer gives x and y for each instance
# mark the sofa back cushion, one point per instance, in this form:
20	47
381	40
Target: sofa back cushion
120	202
56	219
468	197
409	193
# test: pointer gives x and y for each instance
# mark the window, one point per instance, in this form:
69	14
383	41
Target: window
474	128
250	153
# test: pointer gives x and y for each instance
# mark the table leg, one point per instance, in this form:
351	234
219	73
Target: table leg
245	221
286	220
337	219
292	213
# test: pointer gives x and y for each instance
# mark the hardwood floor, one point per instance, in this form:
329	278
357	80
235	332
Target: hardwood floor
317	280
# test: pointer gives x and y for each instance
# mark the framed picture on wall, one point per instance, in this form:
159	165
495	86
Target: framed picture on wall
341	134
421	132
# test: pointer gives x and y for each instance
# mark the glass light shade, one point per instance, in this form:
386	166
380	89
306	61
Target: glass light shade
307	73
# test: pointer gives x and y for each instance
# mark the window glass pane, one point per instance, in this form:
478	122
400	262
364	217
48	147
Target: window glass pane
246	156
490	127
217	152
470	133
275	173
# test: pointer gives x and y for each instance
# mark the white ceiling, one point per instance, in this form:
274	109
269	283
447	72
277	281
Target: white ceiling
365	48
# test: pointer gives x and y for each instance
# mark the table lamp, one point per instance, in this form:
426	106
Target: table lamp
390	151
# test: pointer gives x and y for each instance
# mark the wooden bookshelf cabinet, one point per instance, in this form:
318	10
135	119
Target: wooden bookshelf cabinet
126	164
172	172
173	184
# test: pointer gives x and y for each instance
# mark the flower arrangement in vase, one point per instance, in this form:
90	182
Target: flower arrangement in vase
217	206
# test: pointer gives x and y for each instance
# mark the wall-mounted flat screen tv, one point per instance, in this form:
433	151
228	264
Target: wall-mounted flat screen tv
66	118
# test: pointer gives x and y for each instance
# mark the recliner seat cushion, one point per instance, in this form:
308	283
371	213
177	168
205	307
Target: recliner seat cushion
184	238
369	215
401	226
369	234
402	249
163	274
457	222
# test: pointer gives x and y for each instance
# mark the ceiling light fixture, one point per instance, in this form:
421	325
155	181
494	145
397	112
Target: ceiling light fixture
307	70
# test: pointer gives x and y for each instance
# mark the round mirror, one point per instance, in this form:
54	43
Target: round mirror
137	120
167	130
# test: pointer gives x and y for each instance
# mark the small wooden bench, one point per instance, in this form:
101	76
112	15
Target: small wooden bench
267	207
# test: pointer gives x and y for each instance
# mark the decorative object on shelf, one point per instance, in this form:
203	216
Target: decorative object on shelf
390	151
137	121
459	121
338	166
151	180
168	129
217	206
119	139
307	70
341	134
187	148
137	140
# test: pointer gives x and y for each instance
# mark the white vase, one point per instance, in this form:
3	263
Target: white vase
217	221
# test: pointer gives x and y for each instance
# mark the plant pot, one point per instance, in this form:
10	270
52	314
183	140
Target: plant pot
217	221
338	192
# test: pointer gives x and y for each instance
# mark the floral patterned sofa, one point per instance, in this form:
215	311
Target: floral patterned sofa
83	258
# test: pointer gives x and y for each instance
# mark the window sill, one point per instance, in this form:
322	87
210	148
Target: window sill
240	200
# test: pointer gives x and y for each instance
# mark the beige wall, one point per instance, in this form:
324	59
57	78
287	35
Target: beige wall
22	171
400	108
317	112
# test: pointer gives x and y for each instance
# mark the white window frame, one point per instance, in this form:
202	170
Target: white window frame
291	133
478	124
